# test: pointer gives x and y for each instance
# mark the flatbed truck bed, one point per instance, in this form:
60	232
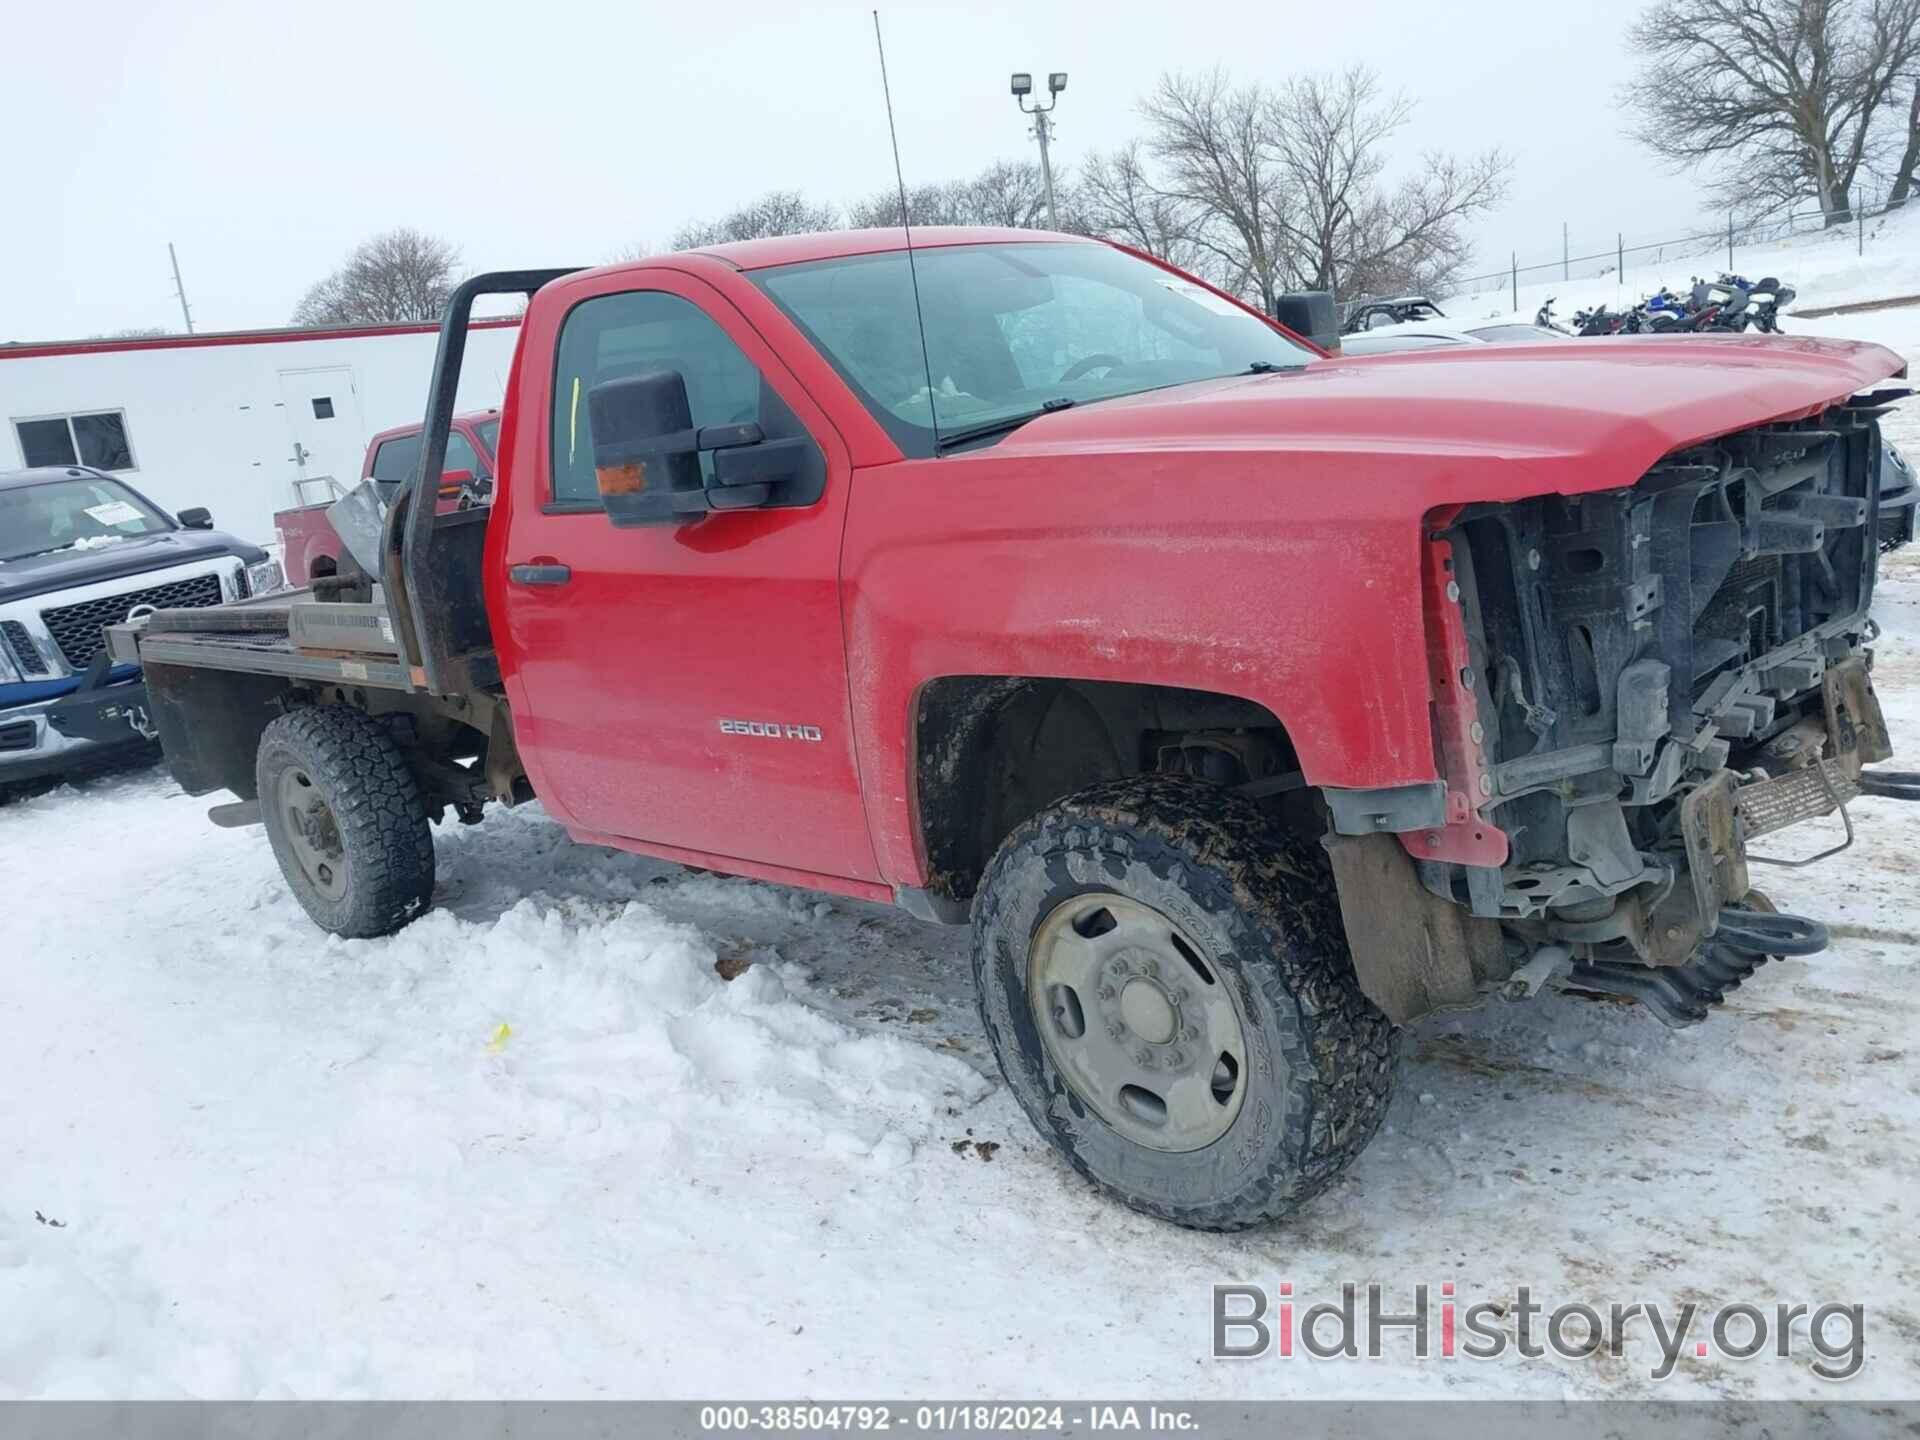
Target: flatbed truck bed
292	634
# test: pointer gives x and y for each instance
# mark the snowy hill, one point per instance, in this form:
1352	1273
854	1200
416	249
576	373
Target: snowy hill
1879	262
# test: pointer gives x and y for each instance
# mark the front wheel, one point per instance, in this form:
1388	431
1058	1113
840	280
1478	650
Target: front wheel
346	820
1166	982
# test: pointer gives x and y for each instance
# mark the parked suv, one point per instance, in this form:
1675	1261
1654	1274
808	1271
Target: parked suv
80	550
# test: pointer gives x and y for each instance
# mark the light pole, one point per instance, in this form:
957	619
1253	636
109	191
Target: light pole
1042	127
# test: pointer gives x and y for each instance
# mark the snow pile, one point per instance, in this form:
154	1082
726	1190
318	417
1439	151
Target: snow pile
246	1081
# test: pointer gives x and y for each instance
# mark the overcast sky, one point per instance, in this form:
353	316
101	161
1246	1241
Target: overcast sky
264	139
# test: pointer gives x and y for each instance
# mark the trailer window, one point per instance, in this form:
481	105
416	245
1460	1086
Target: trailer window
95	437
615	335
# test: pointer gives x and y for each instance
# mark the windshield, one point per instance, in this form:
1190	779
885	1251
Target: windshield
1013	329
72	514
489	433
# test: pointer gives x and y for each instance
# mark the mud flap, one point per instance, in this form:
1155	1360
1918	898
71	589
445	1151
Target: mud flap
1412	951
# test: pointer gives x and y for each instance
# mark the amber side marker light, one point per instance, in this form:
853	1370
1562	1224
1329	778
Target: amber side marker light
628	479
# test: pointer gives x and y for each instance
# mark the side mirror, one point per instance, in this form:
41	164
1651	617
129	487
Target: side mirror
1311	315
197	518
646	454
452	482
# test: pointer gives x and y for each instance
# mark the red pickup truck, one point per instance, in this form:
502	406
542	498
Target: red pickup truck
310	548
1249	703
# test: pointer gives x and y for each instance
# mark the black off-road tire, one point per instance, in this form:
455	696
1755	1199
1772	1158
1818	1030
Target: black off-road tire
377	809
1260	902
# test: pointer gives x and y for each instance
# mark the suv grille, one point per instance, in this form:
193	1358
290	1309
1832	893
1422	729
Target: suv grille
77	628
20	645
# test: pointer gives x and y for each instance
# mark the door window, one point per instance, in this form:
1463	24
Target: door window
618	335
461	456
396	460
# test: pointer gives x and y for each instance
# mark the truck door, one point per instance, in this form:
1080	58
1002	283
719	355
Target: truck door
682	685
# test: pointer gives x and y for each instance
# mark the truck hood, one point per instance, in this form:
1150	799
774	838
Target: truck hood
1585	415
63	569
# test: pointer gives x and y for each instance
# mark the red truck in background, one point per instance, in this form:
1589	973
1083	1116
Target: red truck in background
1248	702
310	548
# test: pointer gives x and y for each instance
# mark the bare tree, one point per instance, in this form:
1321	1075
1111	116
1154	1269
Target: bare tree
1909	160
1349	232
778	212
1008	192
397	276
1214	145
1119	200
937	203
1778	97
1013	192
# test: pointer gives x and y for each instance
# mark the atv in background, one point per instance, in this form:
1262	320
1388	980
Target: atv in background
1377	314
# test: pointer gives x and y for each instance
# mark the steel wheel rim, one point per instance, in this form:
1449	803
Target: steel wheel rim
312	833
1138	1022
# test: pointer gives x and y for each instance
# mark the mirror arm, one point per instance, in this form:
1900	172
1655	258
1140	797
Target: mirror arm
727	437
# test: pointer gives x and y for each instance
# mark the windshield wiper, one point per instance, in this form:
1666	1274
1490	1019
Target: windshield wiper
1004	424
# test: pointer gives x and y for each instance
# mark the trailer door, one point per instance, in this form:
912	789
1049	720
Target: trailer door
324	434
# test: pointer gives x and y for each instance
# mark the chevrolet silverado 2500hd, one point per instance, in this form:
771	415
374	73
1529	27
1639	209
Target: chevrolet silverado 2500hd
1249	703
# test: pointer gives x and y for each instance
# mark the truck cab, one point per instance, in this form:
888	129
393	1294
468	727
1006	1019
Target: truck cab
1247	702
310	548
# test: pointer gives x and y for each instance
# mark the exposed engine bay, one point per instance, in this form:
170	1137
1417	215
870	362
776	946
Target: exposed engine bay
1663	677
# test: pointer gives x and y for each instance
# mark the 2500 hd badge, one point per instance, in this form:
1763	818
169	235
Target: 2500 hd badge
769	730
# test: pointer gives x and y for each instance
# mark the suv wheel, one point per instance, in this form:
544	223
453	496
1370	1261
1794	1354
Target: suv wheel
346	820
1167	986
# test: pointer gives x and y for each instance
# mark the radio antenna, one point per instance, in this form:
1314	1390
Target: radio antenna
906	224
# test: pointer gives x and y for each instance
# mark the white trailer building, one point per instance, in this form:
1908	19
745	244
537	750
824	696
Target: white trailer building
244	423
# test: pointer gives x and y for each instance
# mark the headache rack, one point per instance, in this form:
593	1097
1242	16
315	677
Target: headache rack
421	624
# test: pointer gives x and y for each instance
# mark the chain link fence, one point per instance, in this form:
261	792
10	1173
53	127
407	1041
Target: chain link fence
1709	248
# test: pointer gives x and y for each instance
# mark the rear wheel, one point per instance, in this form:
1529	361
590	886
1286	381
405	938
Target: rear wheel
346	820
1166	982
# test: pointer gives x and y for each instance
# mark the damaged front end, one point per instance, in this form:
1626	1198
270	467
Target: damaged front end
1636	691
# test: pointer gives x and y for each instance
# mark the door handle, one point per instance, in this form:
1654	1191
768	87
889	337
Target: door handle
548	574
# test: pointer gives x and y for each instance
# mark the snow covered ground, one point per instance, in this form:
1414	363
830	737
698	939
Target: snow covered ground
1832	267
536	1145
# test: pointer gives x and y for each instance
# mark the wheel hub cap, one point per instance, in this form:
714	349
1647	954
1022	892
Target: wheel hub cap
313	834
1137	1022
1146	1010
